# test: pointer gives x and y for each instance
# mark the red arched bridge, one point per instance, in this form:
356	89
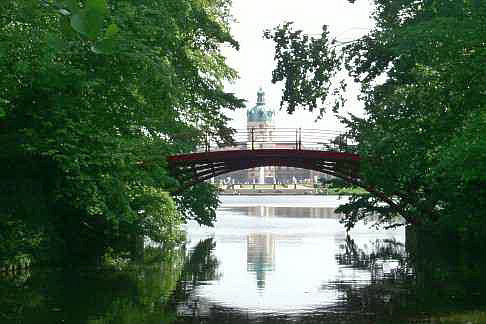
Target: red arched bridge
323	151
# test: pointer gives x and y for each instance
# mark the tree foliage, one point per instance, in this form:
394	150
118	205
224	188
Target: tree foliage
94	95
421	71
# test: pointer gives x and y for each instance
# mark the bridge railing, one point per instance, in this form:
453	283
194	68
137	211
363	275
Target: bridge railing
285	138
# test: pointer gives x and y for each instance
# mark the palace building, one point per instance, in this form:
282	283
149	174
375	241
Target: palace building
261	130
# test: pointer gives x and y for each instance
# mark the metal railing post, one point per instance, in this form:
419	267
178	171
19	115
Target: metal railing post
296	139
300	138
252	139
208	143
205	142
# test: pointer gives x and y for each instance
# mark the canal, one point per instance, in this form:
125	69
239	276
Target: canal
269	259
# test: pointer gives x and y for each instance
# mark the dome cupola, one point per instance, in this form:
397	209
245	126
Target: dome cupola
259	113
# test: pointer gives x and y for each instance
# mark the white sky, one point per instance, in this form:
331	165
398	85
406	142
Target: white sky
254	61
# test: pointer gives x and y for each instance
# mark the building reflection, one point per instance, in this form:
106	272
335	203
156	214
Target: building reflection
260	256
304	212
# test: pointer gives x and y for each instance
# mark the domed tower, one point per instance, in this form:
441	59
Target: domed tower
260	116
260	122
260	125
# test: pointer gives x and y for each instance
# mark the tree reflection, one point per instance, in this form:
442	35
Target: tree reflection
375	258
401	284
137	294
383	292
429	276
201	266
144	293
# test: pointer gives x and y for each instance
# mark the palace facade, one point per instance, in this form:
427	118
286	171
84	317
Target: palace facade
260	124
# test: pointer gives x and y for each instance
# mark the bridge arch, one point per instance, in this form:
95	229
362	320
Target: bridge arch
324	151
194	168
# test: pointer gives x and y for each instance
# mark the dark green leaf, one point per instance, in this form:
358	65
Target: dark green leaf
112	31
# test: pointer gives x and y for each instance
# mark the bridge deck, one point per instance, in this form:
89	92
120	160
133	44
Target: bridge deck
198	167
262	153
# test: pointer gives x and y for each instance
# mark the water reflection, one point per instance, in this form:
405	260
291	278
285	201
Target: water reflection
289	258
273	211
260	256
376	281
262	268
383	258
344	299
200	268
140	294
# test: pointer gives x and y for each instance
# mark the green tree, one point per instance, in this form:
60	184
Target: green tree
93	97
422	83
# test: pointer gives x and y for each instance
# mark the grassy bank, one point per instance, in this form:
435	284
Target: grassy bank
342	191
293	188
472	317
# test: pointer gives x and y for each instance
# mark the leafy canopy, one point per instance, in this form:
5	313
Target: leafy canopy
94	95
421	71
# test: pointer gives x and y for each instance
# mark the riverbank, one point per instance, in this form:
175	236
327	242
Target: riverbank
265	190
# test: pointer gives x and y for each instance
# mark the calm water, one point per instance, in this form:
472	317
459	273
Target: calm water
277	256
267	260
